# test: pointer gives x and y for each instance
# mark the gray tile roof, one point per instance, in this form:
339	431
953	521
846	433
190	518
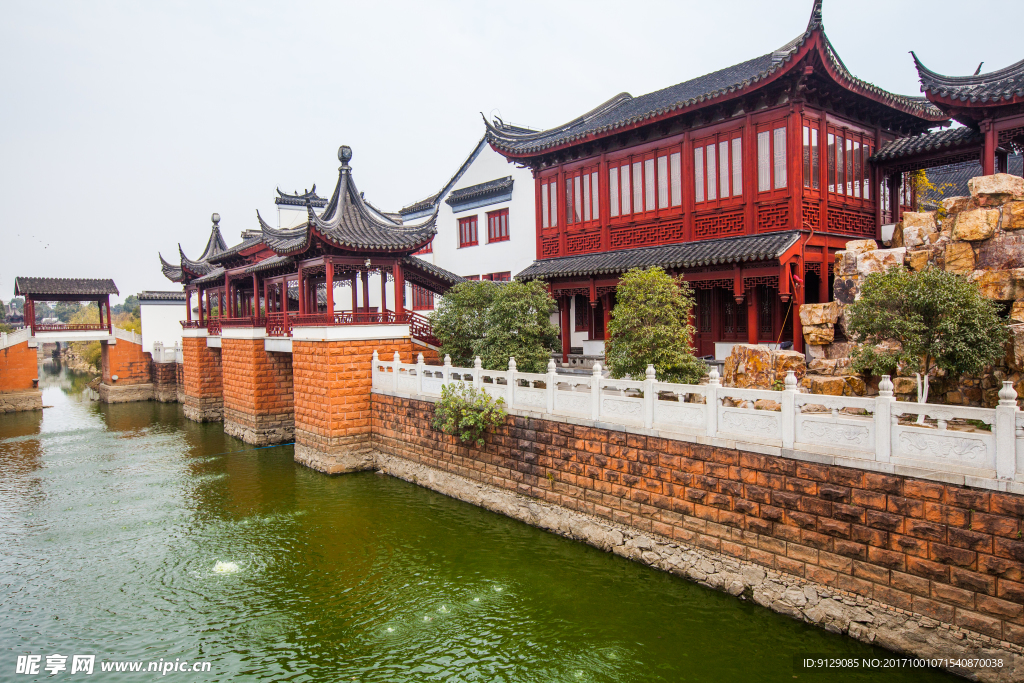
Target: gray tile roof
24	286
246	243
688	255
951	180
480	191
170	271
268	264
934	141
215	275
625	110
991	88
310	196
431	269
161	296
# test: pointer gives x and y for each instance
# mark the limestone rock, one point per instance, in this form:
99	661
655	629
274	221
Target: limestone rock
918	229
819	334
976	224
855	386
845	289
897	235
749	366
1000	285
827	386
789	360
959	257
954	205
1017	312
765	404
880	260
861	246
1002	252
819	314
1013	216
919	258
992	190
904	385
1015	347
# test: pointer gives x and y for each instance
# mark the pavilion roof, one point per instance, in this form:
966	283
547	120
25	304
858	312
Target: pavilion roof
995	87
926	143
624	110
63	286
762	247
349	222
483	190
161	296
307	197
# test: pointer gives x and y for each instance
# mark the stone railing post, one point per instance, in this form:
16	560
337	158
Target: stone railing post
421	367
1005	429
595	393
550	386
789	410
649	397
446	371
711	402
478	370
394	371
512	381
374	373
884	420
158	352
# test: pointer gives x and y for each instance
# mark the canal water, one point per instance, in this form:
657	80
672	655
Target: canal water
133	534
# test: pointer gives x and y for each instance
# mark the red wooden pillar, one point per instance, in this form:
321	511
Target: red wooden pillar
749	157
106	303
798	300
255	296
366	290
302	292
330	287
384	291
355	293
988	149
30	314
752	327
566	330
608	314
188	305
99	308
399	290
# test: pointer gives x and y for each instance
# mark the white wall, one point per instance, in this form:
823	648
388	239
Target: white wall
161	321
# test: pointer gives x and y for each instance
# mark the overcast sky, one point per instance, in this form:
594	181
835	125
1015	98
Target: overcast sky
123	126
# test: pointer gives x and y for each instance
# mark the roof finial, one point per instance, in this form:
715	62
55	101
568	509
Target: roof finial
216	219
345	154
978	70
815	23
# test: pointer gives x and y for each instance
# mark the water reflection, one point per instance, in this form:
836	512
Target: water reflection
132	533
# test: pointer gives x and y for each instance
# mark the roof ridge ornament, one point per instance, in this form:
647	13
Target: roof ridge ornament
815	23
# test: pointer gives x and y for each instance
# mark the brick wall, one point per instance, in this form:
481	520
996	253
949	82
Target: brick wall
165	382
332	397
201	394
19	365
949	552
257	389
126	360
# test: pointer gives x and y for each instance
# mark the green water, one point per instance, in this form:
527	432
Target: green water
113	519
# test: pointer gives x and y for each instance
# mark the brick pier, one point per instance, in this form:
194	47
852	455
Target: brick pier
201	386
257	391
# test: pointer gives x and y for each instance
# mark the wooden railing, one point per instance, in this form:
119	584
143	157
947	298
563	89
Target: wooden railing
213	327
245	321
69	327
193	324
281	324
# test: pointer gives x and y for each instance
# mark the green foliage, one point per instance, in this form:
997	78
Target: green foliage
65	310
5	328
467	412
650	325
517	325
923	320
496	322
458	321
130	305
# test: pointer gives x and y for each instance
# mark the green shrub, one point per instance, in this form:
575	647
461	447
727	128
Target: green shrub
467	412
458	321
517	325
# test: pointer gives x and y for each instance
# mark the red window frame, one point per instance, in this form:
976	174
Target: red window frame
422	299
655	171
850	182
712	172
497	226
765	168
428	248
472	277
581	200
549	202
504	276
468	234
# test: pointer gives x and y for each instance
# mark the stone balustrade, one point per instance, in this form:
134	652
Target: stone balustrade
981	447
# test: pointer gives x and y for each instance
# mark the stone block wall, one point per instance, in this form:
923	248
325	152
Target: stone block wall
332	384
941	552
126	360
165	382
19	366
257	390
201	385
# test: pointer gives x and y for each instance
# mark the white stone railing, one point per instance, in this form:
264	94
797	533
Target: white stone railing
128	336
16	337
977	446
165	354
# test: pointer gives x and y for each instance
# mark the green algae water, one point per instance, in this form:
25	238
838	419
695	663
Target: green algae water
134	535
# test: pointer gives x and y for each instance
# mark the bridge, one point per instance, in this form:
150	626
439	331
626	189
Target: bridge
126	369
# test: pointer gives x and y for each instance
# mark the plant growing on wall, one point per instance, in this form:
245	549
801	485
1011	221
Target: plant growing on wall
651	325
467	412
517	324
924	320
458	321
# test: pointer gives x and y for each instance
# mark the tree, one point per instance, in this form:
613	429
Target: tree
458	321
517	324
924	320
65	310
130	305
650	325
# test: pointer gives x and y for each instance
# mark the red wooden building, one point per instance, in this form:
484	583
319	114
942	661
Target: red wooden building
746	181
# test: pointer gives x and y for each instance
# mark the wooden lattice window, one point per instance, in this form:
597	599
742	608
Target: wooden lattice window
771	159
505	276
549	202
811	168
422	299
645	183
468	231
427	249
582	204
718	167
848	166
497	226
582	317
704	310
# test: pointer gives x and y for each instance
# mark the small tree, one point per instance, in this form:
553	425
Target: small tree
467	413
517	323
923	320
458	321
651	325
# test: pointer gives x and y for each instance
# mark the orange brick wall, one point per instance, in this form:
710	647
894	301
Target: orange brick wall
128	361
201	380
332	388
19	365
258	397
952	553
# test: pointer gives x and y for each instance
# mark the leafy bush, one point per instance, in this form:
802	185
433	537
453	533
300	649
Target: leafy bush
467	412
922	321
458	321
517	325
650	325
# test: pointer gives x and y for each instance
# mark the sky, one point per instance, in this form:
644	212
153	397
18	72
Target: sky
124	125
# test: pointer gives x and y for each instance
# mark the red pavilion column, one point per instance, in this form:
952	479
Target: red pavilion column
399	290
384	290
366	290
566	331
355	293
752	326
329	268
